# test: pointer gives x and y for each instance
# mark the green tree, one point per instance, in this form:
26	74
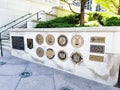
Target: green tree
110	5
82	10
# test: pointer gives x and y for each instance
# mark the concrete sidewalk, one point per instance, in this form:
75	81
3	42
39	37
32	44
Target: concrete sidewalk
41	78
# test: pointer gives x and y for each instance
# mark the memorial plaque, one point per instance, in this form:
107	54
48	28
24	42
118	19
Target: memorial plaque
96	58
40	52
39	39
50	39
18	42
62	40
76	57
30	43
97	49
50	53
77	41
62	55
97	39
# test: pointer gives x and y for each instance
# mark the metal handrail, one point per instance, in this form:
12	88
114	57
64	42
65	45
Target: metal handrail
13	26
22	21
15	20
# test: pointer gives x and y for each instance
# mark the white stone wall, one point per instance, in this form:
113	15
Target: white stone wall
13	9
105	71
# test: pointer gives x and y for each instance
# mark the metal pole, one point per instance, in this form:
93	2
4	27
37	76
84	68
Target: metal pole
1	45
37	16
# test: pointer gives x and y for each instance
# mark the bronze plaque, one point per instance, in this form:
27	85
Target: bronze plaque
77	41
96	58
97	49
39	39
30	43
50	53
40	52
62	55
76	57
50	39
62	40
97	39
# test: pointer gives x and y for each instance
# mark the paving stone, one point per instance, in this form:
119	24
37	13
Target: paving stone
8	82
42	82
78	83
38	69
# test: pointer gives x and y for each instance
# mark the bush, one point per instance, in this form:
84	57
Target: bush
112	21
67	21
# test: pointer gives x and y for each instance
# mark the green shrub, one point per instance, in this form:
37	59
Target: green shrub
67	21
92	23
112	21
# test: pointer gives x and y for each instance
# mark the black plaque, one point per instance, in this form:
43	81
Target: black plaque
18	42
30	43
97	49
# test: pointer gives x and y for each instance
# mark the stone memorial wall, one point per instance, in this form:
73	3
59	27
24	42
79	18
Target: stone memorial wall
89	52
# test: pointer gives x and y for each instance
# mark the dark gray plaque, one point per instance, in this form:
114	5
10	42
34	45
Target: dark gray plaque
97	49
76	57
30	43
18	42
62	40
62	55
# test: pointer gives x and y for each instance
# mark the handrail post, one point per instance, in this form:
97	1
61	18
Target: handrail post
37	16
1	45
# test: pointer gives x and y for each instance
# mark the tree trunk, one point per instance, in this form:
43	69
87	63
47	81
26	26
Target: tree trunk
119	8
82	12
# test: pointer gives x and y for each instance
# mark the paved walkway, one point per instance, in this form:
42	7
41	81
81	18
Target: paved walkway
42	77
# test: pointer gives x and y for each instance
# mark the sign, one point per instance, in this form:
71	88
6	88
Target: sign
50	39
18	42
40	52
77	41
97	49
97	39
50	53
62	55
39	39
62	40
96	58
76	57
30	43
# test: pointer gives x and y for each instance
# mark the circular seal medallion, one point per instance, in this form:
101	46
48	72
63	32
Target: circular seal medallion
40	52
77	41
39	39
62	40
50	53
50	39
76	57
62	55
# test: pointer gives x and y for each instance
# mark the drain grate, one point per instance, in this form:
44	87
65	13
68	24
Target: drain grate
2	63
25	74
66	88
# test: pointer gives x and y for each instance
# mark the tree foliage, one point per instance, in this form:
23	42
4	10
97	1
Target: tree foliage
110	5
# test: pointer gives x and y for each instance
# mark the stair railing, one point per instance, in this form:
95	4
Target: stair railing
14	20
37	17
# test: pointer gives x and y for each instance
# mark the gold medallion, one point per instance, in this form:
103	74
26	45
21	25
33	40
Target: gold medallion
40	52
50	39
39	39
76	57
62	55
77	41
62	40
50	53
